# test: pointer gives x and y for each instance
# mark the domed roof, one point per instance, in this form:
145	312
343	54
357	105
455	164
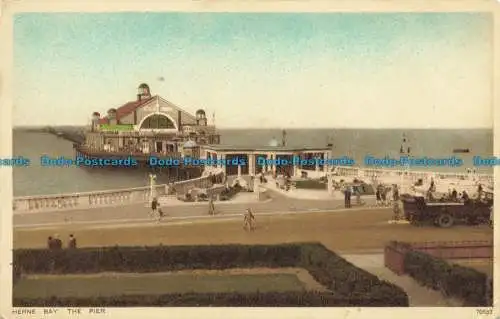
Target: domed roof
200	111
143	86
96	114
273	142
190	144
112	111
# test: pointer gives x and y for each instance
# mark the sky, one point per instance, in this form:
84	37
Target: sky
269	70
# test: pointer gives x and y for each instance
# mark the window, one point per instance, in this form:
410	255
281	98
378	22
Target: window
157	121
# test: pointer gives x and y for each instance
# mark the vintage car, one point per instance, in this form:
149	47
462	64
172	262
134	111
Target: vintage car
419	211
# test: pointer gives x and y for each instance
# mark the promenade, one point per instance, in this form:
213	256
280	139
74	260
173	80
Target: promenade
139	213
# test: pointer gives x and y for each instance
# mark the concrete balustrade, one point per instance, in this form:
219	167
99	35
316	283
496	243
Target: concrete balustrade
409	174
117	197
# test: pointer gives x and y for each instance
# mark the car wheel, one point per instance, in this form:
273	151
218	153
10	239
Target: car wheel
445	220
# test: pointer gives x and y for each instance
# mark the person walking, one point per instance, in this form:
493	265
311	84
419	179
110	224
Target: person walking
154	207
249	220
211	206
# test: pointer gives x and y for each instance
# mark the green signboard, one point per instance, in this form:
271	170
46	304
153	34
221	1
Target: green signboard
117	127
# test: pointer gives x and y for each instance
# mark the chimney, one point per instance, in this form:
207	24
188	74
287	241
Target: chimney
179	120
138	97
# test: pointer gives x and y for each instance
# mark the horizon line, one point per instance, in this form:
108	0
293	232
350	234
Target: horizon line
290	128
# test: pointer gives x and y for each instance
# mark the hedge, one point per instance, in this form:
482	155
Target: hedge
348	285
457	281
155	259
310	184
343	278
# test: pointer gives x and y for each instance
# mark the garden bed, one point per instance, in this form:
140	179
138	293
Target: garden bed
342	283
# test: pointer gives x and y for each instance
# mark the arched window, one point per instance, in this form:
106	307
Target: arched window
158	121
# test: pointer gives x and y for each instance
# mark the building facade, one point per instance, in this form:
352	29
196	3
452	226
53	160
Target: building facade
149	125
275	159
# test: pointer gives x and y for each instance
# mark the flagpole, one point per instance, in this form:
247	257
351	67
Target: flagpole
405	151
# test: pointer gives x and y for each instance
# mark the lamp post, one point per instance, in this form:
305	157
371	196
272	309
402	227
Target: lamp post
398	206
152	187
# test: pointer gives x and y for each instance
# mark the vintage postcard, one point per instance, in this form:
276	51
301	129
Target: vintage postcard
210	158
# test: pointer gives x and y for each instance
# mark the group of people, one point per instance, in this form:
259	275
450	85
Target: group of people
383	195
350	191
55	243
453	194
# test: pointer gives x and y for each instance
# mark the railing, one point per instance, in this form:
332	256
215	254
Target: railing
91	152
116	197
375	173
457	249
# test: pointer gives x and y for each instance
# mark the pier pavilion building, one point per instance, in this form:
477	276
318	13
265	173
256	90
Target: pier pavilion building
149	125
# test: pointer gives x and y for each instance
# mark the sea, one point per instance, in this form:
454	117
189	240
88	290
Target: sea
354	143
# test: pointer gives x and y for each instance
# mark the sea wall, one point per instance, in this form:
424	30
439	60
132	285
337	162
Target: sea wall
116	197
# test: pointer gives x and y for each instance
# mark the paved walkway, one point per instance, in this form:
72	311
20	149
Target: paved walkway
139	212
419	296
240	198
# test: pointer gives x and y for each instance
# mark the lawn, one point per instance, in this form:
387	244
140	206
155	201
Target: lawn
112	284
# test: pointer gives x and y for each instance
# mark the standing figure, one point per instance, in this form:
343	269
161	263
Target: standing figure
359	201
379	197
57	242
384	196
50	243
346	197
454	195
72	242
491	216
395	203
465	197
479	191
349	195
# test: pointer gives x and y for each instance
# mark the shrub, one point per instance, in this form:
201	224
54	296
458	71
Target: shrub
342	277
453	280
230	192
